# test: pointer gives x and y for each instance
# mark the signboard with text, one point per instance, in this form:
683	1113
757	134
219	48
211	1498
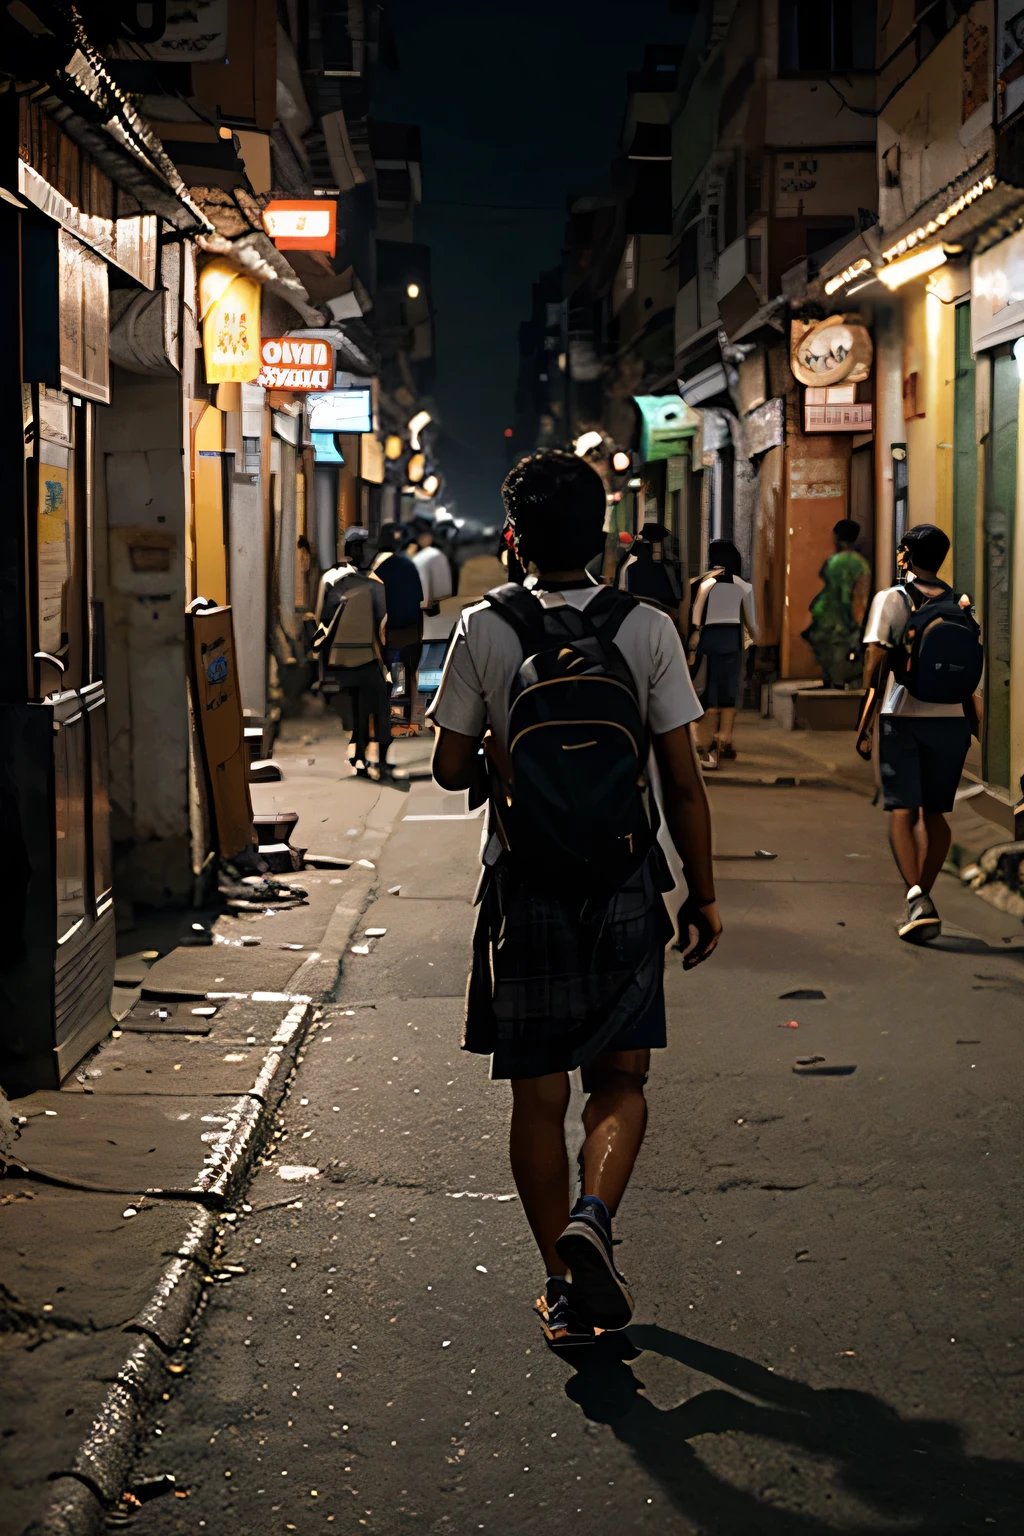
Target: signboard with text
341	410
305	225
290	363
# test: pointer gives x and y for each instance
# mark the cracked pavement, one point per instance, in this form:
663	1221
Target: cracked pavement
828	1330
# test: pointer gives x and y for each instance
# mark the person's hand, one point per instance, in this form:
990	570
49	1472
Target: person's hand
863	745
700	929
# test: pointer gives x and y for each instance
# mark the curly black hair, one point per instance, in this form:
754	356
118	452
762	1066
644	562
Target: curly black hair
555	507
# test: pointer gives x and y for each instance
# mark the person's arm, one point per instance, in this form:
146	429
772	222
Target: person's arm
747	612
459	716
456	760
688	818
697	619
329	601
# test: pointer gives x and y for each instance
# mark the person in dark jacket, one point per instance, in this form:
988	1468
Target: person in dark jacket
403	592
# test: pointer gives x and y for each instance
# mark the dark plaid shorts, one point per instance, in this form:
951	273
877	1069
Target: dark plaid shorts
557	982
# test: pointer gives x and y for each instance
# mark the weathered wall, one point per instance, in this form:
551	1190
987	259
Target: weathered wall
140	527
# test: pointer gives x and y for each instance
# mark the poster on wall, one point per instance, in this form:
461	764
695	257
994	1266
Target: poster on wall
1009	57
997	293
975	91
229	306
53	544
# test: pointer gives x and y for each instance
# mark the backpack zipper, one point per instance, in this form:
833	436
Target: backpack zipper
543	725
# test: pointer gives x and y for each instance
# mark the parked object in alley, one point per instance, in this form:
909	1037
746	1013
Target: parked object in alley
547	991
273	832
264	770
217	708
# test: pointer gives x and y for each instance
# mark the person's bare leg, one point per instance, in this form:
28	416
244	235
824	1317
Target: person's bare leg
540	1163
939	836
615	1119
904	845
706	729
726	721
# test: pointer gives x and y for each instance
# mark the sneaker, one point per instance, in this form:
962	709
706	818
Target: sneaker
708	759
600	1295
727	750
563	1327
922	922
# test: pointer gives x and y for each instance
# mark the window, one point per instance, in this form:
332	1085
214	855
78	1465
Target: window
824	37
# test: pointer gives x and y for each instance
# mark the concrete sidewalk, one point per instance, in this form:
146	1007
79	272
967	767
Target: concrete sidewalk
117	1188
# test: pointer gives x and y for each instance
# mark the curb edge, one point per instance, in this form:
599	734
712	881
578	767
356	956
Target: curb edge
104	1458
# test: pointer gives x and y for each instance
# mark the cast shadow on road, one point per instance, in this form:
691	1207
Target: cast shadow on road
905	1470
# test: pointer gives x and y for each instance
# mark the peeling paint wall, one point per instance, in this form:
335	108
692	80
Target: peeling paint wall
140	525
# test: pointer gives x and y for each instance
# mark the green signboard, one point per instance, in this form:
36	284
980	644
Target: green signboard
668	424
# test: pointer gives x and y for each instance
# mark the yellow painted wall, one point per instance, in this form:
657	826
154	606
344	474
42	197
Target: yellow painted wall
211	564
929	337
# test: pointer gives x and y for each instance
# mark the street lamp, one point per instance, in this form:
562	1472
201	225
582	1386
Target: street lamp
413	291
621	461
431	485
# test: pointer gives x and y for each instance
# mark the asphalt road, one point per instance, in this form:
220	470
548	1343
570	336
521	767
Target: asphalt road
828	1329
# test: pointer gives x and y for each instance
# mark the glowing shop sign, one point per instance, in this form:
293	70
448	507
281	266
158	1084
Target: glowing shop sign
229	303
302	225
290	363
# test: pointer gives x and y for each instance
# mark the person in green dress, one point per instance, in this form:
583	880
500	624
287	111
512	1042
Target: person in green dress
837	613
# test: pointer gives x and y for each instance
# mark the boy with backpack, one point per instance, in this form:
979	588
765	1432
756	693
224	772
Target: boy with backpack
567	687
924	662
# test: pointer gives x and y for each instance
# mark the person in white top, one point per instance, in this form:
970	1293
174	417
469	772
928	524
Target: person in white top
921	746
541	996
432	564
722	611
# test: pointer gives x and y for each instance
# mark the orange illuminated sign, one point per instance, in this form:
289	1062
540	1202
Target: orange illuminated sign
290	363
309	225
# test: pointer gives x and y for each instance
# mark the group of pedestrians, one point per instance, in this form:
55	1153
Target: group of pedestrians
567	705
369	622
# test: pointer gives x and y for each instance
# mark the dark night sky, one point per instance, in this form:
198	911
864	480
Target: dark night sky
520	103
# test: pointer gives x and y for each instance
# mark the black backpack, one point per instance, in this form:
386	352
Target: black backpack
576	816
941	658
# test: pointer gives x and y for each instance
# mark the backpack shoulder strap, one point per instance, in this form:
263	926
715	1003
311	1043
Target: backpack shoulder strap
522	612
604	614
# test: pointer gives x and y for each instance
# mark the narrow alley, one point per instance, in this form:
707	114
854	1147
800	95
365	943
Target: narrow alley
511	767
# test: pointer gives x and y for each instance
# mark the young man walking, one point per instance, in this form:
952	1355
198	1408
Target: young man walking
922	744
566	686
351	615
